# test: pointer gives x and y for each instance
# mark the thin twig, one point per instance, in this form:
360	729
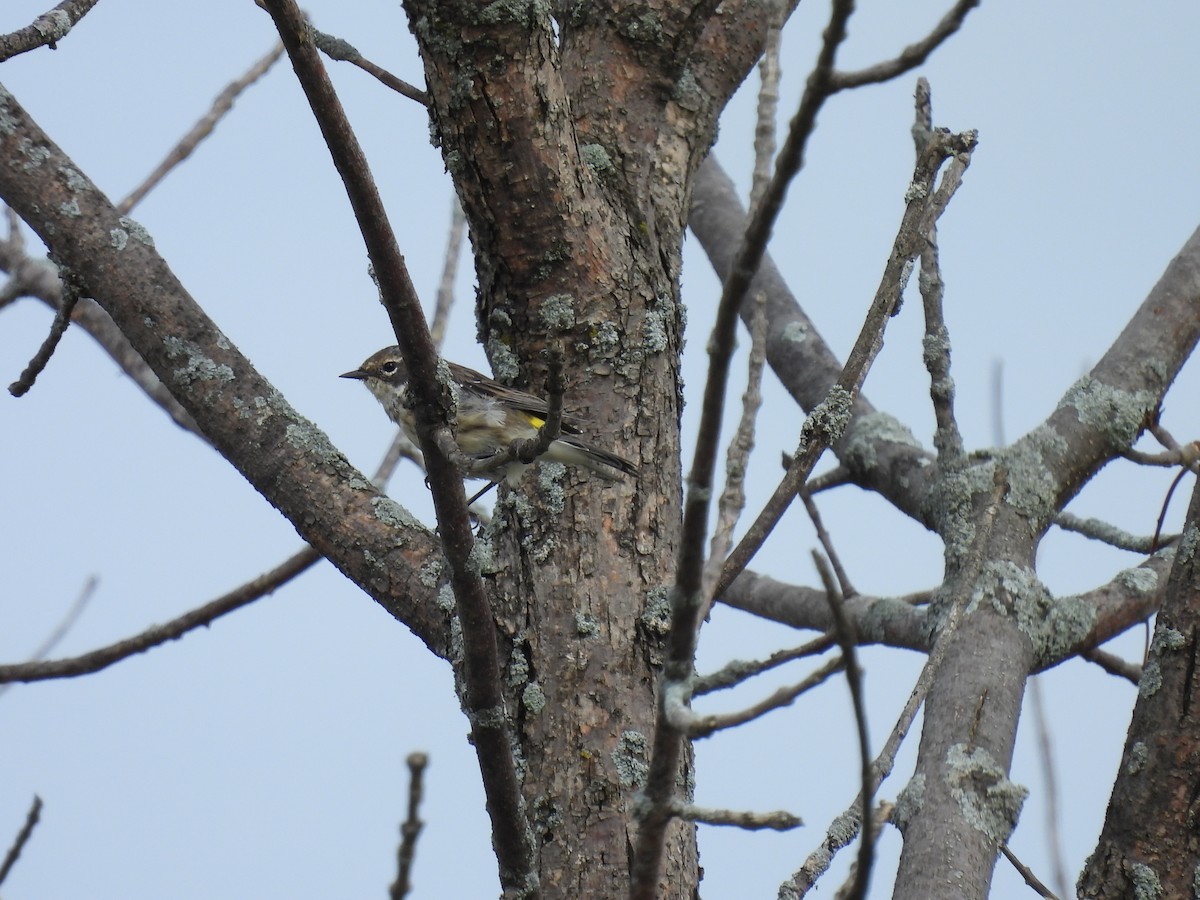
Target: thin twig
946	439
202	129
702	726
912	55
739	671
1049	776
838	476
687	598
880	817
824	425
411	829
104	657
814	515
71	291
737	457
481	682
768	103
959	592
247	593
1162	515
47	29
22	838
779	820
1027	874
344	51
445	292
65	625
1099	530
846	640
1114	665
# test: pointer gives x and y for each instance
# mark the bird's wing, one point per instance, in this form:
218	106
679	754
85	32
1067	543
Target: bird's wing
480	384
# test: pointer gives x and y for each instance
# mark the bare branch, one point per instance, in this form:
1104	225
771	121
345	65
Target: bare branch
47	29
845	827
344	51
94	661
71	291
702	726
947	439
924	207
1114	665
104	657
202	129
912	55
445	293
22	838
893	621
1109	534
1027	874
737	671
687	598
843	580
483	699
779	820
733	496
846	640
411	829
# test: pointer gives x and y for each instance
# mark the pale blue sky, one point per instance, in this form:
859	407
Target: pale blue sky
263	756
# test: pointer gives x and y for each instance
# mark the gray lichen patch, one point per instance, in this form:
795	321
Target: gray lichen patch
868	432
1141	580
909	801
829	417
656	615
1117	414
1146	884
989	802
557	312
393	514
1032	486
596	158
1053	626
876	620
1166	640
1139	755
631	759
950	504
794	332
196	364
533	698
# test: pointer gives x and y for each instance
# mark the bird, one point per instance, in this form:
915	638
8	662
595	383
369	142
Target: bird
490	417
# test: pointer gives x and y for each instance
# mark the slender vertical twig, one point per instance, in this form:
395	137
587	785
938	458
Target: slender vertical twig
445	292
687	600
406	853
483	696
22	838
202	129
847	641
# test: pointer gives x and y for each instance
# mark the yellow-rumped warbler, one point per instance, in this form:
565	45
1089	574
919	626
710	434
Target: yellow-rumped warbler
490	416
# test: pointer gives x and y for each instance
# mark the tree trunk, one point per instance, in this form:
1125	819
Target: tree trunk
1150	844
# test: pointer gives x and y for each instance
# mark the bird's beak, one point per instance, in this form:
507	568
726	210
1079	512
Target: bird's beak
357	374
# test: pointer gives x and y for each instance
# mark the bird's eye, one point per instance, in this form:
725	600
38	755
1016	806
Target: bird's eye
388	368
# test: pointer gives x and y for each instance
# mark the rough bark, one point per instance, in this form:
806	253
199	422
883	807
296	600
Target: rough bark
573	159
1150	843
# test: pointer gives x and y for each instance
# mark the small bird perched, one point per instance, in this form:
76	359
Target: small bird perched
490	417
